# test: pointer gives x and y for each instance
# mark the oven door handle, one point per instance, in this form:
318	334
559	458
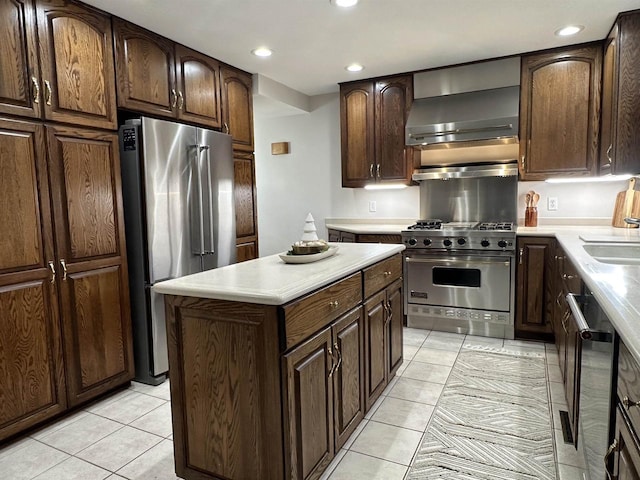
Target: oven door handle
454	261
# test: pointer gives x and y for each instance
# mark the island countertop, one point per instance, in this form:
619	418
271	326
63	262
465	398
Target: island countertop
270	281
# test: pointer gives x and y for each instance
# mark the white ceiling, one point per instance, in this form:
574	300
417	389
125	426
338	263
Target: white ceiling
313	41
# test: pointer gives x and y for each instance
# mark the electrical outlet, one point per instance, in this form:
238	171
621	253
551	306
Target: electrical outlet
372	206
552	203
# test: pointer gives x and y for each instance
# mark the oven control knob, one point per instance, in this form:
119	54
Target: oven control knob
447	243
485	243
427	242
502	244
461	241
412	241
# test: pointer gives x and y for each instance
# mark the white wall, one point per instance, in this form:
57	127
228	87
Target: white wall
575	200
309	178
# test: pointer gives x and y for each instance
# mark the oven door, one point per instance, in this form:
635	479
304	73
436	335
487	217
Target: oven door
463	281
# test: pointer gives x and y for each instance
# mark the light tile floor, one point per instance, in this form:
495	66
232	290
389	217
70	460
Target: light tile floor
128	435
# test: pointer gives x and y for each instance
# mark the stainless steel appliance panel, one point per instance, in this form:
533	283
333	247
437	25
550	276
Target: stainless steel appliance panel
473	282
467	199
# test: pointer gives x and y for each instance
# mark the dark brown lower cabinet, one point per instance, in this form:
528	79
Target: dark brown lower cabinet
626	463
383	340
535	287
64	309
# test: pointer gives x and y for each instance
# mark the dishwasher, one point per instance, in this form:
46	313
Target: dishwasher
595	373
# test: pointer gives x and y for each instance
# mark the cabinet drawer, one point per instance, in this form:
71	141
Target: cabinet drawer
309	314
381	274
629	385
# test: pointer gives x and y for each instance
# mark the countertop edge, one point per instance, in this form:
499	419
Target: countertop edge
277	297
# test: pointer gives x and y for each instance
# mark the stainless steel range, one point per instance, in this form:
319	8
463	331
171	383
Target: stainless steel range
459	276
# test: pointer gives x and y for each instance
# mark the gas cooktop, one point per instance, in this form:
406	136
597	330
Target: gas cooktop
436	224
436	234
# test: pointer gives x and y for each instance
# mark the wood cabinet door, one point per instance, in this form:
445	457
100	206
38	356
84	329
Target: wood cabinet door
535	286
237	107
348	378
393	98
20	89
626	138
246	251
76	56
198	87
145	70
374	348
627	458
560	112
87	198
32	384
357	106
245	196
309	409
394	327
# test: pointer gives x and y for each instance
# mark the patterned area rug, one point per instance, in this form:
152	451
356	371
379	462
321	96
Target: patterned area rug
492	422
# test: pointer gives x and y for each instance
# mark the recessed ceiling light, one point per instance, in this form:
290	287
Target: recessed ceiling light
343	3
262	52
569	30
354	67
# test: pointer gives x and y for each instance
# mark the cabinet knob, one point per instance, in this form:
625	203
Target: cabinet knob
568	277
386	274
334	304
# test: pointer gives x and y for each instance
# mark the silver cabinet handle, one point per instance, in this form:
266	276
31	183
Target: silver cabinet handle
52	267
522	162
334	304
36	90
174	98
608	152
378	171
333	365
64	269
47	92
337	350
180	100
226	127
371	170
521	255
568	277
612	448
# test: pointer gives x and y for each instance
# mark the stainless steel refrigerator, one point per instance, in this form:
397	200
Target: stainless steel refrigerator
177	189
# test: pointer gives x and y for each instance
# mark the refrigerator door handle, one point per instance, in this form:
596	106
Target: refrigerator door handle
208	212
197	226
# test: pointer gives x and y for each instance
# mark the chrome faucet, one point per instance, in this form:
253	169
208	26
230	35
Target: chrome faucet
633	221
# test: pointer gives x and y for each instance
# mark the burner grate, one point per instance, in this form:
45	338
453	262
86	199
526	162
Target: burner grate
496	226
429	224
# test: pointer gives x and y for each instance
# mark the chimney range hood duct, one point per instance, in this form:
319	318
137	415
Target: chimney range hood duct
483	117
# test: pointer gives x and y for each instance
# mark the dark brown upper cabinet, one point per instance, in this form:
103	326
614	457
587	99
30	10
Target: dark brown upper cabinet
74	81
145	69
198	87
373	115
160	77
619	134
237	107
560	112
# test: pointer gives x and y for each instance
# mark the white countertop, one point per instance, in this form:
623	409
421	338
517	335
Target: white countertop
270	281
615	287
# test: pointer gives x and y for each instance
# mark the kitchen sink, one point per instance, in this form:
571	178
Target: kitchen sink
626	254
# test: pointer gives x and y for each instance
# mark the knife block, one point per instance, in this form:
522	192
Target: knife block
531	217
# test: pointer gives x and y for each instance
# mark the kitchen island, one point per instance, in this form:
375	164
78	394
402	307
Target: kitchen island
274	365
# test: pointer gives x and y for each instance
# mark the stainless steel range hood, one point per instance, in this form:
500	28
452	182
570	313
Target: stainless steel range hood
465	120
487	116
